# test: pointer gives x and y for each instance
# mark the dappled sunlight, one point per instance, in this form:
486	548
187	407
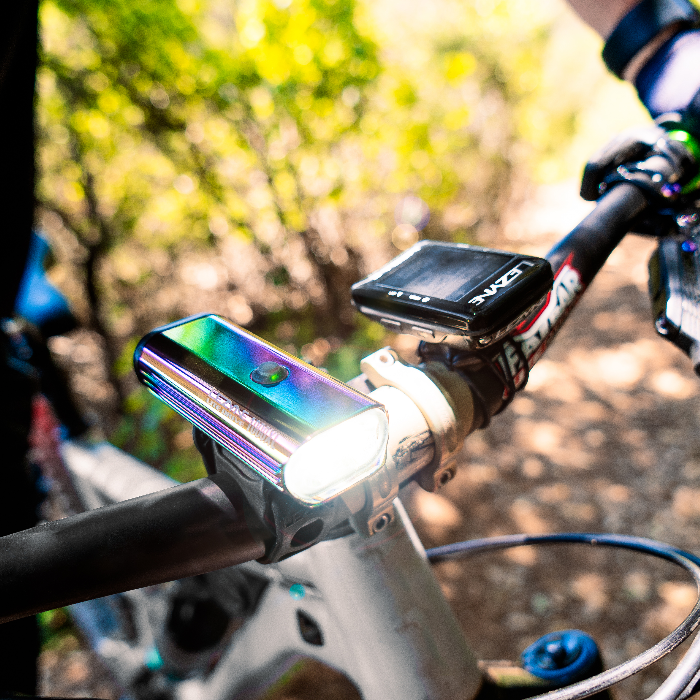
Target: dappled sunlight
677	600
542	437
550	439
678	595
532	467
525	556
437	514
523	405
553	379
615	493
620	368
543	373
450	575
608	321
674	385
638	584
554	493
588	412
475	475
528	518
686	504
591	589
581	514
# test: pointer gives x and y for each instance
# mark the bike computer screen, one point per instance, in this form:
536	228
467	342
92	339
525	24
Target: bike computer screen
440	290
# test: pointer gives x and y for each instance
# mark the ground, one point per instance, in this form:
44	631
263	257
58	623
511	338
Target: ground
604	438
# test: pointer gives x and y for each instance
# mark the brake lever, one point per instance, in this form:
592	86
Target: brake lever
661	160
628	147
674	288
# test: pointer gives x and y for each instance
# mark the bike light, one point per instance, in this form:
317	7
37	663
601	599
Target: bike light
305	432
351	447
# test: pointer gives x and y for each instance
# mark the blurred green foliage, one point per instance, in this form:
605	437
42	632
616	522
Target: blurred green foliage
55	628
246	158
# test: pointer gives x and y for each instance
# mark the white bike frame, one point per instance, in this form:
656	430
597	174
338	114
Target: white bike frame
384	621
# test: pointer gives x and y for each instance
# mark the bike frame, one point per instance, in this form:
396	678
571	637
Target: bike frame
384	621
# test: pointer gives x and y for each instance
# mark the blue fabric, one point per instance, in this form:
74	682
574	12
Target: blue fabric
671	78
643	23
38	301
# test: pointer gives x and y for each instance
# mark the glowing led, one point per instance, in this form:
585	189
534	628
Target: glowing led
334	460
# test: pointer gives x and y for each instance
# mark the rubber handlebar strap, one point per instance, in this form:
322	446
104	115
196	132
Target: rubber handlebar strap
643	23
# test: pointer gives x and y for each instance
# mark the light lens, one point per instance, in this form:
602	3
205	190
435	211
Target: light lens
336	459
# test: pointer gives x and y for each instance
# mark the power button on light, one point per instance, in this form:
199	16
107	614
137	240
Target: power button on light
269	374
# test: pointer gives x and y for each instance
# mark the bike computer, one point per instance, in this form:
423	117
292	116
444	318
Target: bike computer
456	293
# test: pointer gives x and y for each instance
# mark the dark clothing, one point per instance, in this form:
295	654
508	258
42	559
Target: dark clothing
18	60
19	640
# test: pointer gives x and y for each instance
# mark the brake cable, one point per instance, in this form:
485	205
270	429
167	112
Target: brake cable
680	683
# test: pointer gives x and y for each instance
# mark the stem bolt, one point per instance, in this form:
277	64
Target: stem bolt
445	477
381	522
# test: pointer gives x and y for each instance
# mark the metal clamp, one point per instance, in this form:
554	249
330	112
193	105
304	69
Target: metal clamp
447	419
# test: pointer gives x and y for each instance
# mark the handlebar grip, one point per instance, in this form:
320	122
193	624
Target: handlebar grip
182	531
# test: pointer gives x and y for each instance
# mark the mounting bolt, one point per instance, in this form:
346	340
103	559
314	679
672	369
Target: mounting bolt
662	326
381	522
445	477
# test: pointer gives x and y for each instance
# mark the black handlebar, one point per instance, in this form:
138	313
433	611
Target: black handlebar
595	238
182	531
